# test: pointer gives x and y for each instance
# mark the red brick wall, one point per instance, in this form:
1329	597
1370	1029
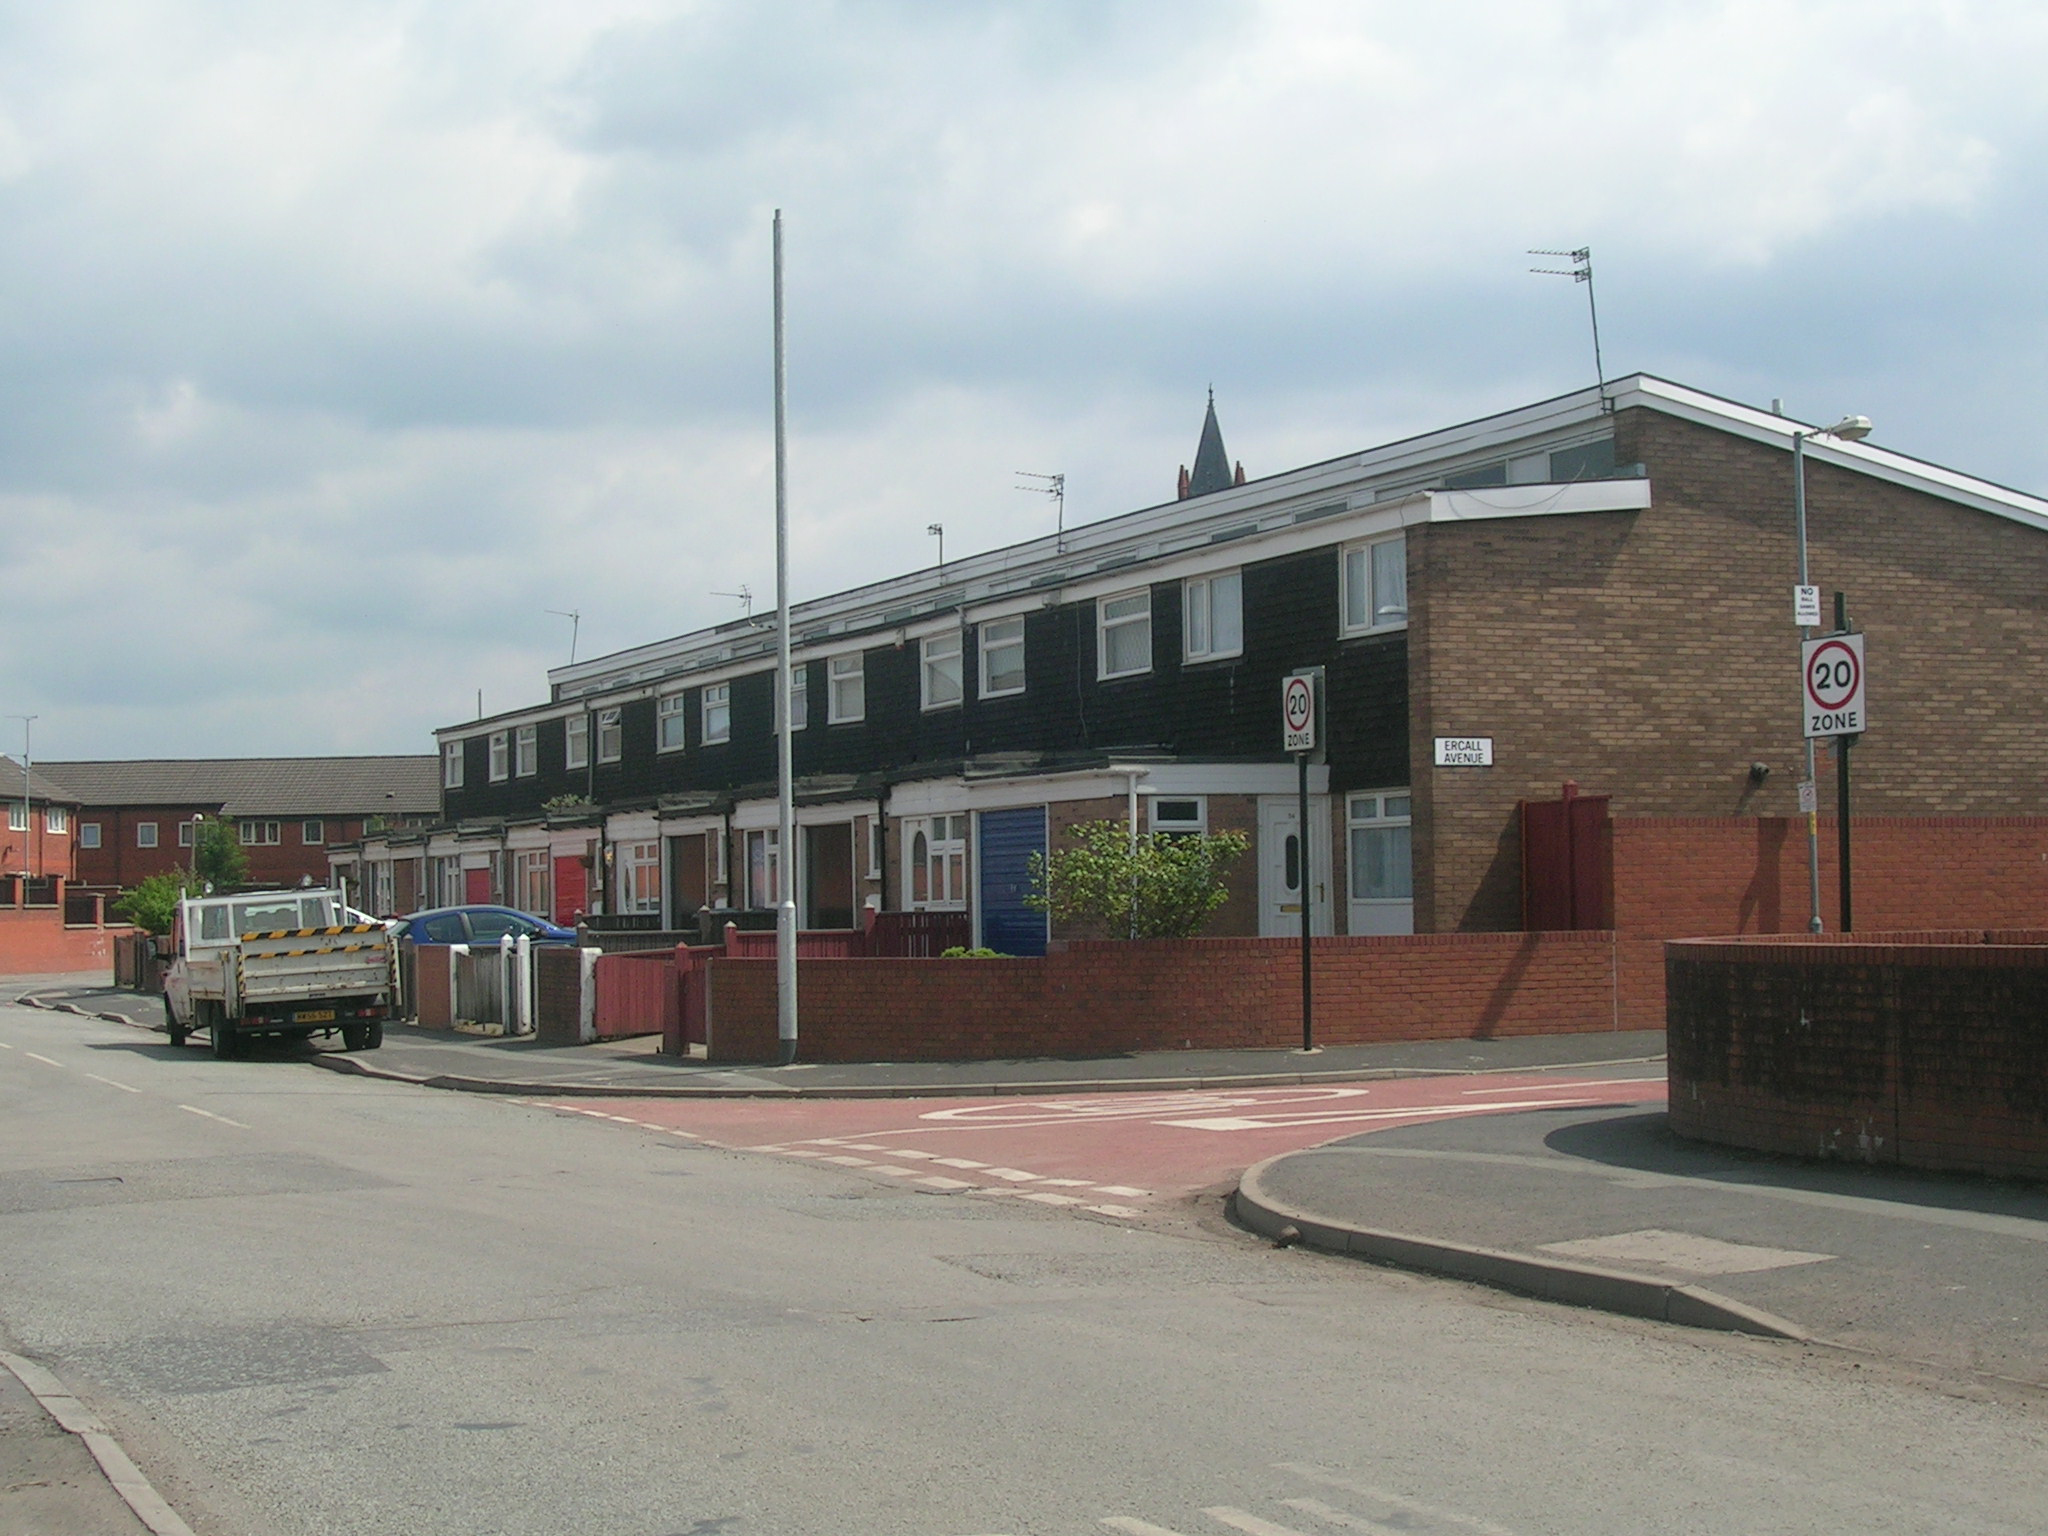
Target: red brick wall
1925	1050
119	862
36	942
431	990
1100	999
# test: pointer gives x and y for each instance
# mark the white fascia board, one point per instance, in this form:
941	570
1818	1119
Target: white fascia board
1497	501
526	839
676	824
1762	427
477	858
939	797
754	815
633	827
570	843
442	845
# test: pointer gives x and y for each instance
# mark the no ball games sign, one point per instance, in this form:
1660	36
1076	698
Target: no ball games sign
1831	686
1298	712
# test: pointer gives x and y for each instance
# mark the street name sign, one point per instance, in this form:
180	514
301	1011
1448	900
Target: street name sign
1298	712
1831	686
1464	751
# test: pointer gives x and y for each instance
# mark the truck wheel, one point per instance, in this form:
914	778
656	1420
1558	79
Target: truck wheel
172	1027
376	1035
355	1037
224	1043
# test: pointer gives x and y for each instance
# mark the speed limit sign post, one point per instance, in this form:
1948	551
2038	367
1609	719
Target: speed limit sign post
1831	703
1301	699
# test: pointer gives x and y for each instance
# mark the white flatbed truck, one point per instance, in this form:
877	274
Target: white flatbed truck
284	964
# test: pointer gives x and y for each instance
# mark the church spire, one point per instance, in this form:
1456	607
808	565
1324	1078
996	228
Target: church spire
1212	464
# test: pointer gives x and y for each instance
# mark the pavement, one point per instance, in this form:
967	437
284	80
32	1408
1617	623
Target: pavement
1599	1207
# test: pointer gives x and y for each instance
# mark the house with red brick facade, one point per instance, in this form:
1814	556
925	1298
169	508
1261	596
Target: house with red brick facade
40	840
1593	590
136	819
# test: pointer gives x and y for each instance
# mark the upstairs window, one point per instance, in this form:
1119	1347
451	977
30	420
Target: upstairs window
312	833
56	819
717	712
526	752
260	834
941	686
187	832
88	834
1124	634
670	715
1002	657
451	765
611	738
145	833
501	756
849	696
576	742
1213	611
1376	585
17	817
799	697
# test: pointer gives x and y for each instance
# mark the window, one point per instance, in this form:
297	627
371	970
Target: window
1376	585
610	736
849	695
1124	635
1213	610
501	758
88	834
145	834
451	765
1379	862
188	833
56	819
526	751
640	877
935	862
799	697
312	833
576	741
17	816
764	864
876	832
717	712
1182	815
1002	657
261	834
531	881
670	721
941	671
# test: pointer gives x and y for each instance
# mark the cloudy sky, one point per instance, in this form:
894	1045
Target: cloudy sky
341	342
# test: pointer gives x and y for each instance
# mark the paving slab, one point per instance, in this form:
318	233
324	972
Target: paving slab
1945	1270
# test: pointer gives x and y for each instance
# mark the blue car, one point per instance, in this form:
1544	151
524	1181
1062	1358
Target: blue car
479	925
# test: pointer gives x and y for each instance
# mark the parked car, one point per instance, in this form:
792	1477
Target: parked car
479	925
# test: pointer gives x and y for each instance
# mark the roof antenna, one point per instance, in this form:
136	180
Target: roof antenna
1056	487
744	595
575	619
1581	271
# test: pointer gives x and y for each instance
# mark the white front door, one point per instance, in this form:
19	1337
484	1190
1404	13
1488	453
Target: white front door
1280	865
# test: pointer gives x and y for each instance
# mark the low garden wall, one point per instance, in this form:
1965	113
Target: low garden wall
1924	1050
1098	999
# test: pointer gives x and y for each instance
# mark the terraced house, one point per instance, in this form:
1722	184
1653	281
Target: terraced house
1595	588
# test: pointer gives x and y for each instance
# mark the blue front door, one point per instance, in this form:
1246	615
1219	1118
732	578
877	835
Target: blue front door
1008	839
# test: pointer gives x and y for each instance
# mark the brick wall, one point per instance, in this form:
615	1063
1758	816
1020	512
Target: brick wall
432	994
1924	1050
1650	656
37	942
1205	994
557	994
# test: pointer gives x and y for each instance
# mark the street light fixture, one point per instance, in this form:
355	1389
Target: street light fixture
1850	429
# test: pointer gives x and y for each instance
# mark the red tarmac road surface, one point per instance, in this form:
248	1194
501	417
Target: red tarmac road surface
1110	1153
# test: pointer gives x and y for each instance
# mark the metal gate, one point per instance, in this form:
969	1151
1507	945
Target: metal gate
1567	862
1007	841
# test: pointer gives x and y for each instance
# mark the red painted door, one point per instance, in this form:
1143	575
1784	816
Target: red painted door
570	889
476	887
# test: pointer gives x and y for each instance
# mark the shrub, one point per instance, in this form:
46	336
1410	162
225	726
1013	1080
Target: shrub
1158	886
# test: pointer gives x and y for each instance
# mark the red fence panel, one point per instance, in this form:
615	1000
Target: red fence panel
637	994
918	935
1567	863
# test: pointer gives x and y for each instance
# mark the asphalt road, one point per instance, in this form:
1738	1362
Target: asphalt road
312	1303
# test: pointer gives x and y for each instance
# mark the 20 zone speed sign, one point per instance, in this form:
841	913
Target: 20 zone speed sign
1298	713
1831	686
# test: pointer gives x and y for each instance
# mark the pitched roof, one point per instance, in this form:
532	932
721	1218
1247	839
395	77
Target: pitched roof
39	787
262	786
1212	464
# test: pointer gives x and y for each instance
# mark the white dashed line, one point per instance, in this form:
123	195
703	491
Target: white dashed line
1014	1175
938	1183
1125	1190
111	1083
1069	1183
1044	1198
850	1162
958	1162
223	1119
32	1056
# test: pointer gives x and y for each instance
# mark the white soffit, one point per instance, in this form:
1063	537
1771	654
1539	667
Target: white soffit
1496	501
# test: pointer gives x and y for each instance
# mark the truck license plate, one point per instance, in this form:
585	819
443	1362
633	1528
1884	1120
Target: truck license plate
314	1016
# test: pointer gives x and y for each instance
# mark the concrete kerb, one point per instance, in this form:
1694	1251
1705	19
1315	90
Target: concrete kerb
120	1471
1548	1279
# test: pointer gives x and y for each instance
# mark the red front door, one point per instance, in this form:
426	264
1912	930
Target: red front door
570	892
476	887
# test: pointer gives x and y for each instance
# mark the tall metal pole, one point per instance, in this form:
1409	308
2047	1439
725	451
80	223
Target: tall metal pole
28	757
785	784
1813	924
1842	746
1308	1028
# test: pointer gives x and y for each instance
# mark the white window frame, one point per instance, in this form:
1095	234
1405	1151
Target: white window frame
17	815
991	642
313	832
935	873
799	698
761	866
1369	811
1204	599
451	765
717	713
639	891
145	834
847	671
671	722
531	883
611	734
1366	557
1197	825
1105	623
877	830
88	834
934	676
188	833
56	820
501	756
526	751
576	741
256	832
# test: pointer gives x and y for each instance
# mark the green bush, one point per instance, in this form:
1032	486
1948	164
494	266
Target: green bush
153	903
1158	886
962	952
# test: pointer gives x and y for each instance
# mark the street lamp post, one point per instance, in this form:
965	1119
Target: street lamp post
27	830
1849	429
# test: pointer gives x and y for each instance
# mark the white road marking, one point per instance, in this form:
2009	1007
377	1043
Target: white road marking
850	1162
1044	1198
111	1083
4	1046
1132	1527
1014	1175
906	1152
1590	1082
1315	1474
1250	1524
1069	1183
1337	1517
32	1056
938	1183
958	1162
1121	1211
223	1119
1125	1190
855	1146
1411	1112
